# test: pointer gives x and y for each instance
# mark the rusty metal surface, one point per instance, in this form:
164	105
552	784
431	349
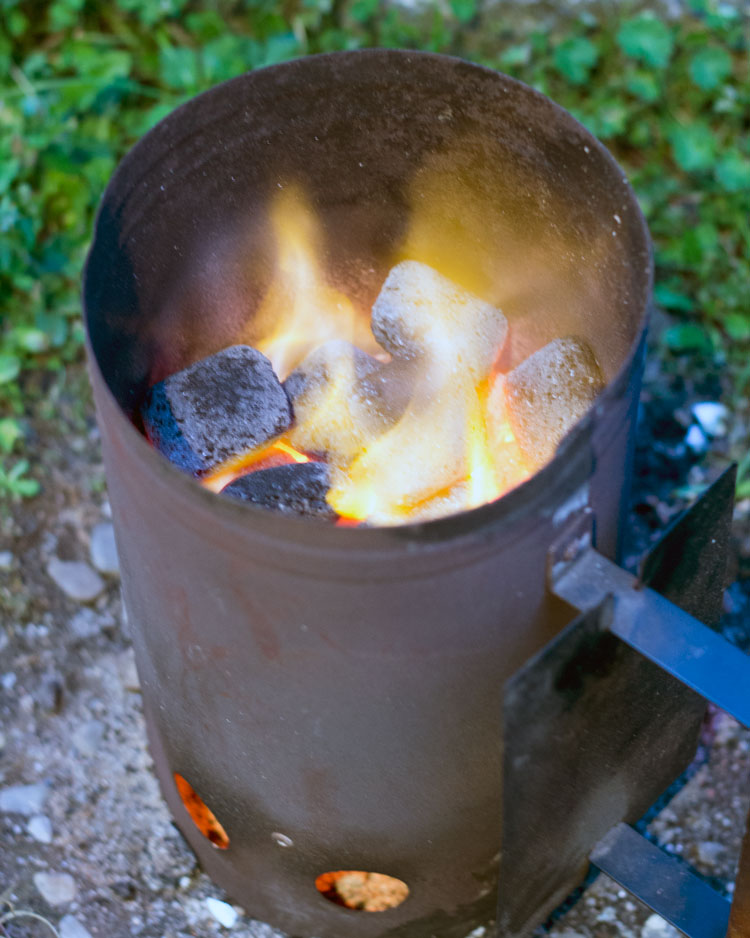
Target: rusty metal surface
342	687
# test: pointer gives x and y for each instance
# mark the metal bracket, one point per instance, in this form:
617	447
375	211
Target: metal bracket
607	715
700	659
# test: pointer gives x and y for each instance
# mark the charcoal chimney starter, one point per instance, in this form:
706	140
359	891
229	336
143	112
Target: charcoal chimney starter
334	695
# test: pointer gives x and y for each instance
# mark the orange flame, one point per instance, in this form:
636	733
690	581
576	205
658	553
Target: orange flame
301	310
451	449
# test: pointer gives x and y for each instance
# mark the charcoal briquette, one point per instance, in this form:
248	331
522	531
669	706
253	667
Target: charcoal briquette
218	408
298	489
342	400
421	315
549	392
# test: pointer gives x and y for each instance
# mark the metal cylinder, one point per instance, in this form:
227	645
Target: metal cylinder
342	687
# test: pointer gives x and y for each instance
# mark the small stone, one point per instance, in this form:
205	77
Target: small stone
70	927
223	912
104	549
55	888
712	417
40	828
23	799
86	623
8	681
709	852
6	560
696	439
656	927
76	579
87	738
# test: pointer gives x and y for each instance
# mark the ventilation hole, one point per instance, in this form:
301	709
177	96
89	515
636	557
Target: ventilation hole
367	892
203	817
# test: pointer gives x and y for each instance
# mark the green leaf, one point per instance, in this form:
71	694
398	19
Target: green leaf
670	298
179	67
464	10
363	10
278	49
574	59
733	171
10	368
646	38
8	172
693	146
30	339
27	488
710	67
10	433
515	55
644	86
687	337
737	327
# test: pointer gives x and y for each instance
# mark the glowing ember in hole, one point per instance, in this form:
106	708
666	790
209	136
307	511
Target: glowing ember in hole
366	892
412	416
202	816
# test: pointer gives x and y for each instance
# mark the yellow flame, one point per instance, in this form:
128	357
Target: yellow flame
443	454
301	310
483	484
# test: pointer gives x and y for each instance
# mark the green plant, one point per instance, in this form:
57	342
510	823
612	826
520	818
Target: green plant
80	82
14	481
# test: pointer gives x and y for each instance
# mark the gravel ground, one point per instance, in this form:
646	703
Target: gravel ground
87	842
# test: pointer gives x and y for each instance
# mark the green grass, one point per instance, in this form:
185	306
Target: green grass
81	82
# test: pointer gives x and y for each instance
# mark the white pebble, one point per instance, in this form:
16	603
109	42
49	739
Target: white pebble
76	579
103	549
696	439
8	681
56	888
86	623
6	560
709	852
223	912
23	799
656	927
712	417
40	828
70	927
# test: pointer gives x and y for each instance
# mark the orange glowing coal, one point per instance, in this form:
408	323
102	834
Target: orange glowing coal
405	402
